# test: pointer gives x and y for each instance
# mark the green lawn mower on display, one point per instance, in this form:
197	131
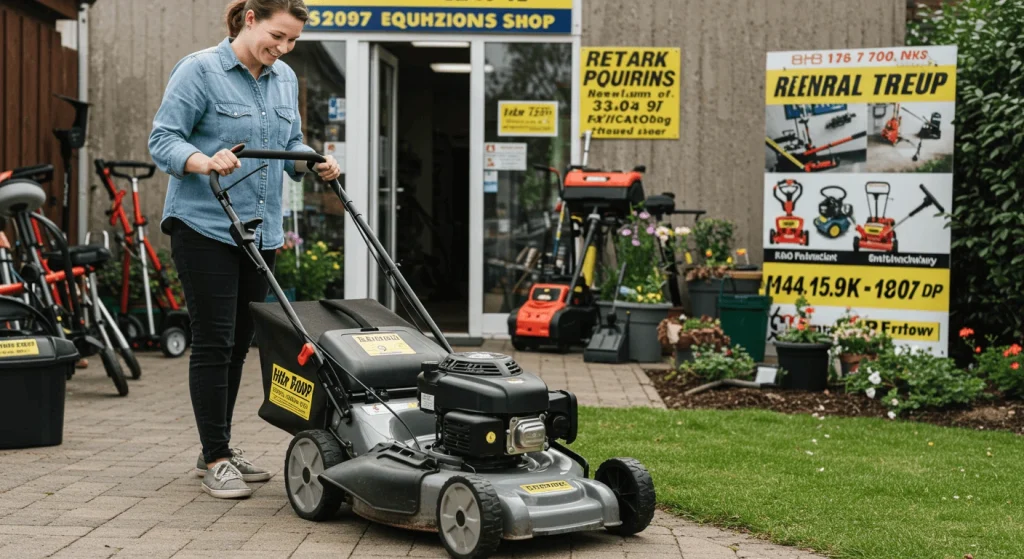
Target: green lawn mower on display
415	435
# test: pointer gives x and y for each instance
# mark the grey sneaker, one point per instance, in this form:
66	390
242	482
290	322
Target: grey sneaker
226	482
247	469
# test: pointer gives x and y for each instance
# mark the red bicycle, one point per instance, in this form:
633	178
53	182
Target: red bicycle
171	333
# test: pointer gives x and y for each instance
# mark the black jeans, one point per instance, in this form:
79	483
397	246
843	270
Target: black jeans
219	281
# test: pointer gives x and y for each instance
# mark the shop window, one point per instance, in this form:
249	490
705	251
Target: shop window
519	201
321	72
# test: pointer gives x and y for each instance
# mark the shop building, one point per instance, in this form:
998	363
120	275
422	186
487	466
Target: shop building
406	95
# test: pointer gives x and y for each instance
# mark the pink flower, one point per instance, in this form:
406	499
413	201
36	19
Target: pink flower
650	230
645	215
636	242
627	232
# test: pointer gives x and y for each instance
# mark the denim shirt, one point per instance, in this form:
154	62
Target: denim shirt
211	103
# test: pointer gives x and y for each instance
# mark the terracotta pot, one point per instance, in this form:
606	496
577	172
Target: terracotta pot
850	362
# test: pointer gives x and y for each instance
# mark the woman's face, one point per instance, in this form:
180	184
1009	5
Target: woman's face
273	37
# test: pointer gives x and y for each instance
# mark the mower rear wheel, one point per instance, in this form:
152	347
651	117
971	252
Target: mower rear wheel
310	454
469	517
633	487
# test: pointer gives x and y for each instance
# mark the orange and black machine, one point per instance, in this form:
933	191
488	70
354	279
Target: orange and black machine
564	314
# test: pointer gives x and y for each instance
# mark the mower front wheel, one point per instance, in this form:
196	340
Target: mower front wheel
633	487
310	454
469	517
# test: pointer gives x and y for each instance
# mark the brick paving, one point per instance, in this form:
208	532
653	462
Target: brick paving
120	485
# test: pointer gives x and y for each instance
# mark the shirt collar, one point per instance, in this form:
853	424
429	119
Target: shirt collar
229	59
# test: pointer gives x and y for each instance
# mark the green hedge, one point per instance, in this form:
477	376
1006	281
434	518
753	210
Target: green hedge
987	291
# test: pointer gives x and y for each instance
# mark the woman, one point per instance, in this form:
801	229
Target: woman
235	93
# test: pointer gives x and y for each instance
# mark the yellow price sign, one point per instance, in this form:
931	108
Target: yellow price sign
878	287
528	118
291	392
630	93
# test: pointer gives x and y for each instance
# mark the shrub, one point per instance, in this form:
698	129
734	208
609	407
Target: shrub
1003	365
987	276
906	379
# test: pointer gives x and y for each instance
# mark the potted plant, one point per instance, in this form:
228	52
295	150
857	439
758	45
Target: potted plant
854	341
804	352
713	243
642	294
306	277
680	335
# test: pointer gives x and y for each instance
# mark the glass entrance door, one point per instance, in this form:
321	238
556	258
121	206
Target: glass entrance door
383	161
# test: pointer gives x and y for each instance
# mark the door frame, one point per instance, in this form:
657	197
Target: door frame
379	54
359	187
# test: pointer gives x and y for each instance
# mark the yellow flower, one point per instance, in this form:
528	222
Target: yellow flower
321	244
336	267
639	289
708	253
729	260
312	257
309	251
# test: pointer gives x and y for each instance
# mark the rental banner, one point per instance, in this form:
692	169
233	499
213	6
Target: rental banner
858	187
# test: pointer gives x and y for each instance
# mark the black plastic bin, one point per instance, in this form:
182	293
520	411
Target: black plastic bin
33	374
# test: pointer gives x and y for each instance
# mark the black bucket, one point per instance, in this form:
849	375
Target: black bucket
806	365
33	374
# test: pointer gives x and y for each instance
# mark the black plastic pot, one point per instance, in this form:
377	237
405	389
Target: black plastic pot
806	365
704	294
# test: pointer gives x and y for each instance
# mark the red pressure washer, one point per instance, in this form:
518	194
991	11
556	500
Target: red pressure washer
565	315
789	228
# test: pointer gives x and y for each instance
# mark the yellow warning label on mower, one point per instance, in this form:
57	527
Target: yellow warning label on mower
547	487
18	348
291	392
387	343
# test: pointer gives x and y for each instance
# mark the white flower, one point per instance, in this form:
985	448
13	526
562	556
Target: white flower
827	437
821	469
956	496
875	378
895	402
870	392
809	453
892	415
682	230
815	441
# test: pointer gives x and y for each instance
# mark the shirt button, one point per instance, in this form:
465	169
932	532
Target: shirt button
261	201
264	114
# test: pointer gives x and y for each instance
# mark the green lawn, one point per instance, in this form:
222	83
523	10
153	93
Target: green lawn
868	488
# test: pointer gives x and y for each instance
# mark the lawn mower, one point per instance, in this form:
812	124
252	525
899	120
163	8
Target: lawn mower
172	332
414	435
789	229
879	233
834	217
564	314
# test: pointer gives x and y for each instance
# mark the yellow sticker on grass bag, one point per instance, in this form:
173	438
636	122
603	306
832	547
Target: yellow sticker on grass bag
18	348
291	392
386	343
547	487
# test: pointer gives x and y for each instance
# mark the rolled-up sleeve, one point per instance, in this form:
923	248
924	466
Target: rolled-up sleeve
183	105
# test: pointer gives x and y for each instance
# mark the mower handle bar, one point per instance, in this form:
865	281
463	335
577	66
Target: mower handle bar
37	173
242	235
242	153
795	188
833	187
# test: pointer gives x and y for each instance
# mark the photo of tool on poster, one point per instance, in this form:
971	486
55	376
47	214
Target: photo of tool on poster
912	137
858	213
816	138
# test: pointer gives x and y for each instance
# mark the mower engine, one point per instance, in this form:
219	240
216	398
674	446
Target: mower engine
489	412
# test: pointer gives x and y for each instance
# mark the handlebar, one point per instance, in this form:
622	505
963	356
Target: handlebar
242	153
113	165
36	173
794	188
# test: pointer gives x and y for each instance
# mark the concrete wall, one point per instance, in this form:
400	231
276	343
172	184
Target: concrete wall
717	164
